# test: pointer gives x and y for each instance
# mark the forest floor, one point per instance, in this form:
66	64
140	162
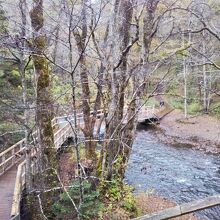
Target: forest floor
201	132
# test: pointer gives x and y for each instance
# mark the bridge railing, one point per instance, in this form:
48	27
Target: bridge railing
66	131
11	156
183	209
149	109
61	135
19	187
16	153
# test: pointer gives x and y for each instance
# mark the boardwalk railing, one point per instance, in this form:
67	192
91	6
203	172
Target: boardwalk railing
11	156
16	153
147	112
183	209
19	187
61	135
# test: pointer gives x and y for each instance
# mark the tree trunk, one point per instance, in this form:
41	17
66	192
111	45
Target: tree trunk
185	80
205	79
44	112
22	70
113	135
88	130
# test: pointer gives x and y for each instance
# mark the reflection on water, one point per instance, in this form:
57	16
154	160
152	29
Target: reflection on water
179	174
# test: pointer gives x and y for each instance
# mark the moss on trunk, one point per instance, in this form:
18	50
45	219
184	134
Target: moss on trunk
44	97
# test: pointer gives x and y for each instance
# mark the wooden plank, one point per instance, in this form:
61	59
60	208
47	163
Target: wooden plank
200	204
183	209
7	183
164	214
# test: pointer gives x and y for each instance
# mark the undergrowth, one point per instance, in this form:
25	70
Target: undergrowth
88	208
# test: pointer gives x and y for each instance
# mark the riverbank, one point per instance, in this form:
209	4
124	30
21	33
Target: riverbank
201	132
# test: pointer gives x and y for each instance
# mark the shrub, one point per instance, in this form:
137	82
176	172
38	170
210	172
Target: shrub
216	110
194	108
177	104
119	196
90	207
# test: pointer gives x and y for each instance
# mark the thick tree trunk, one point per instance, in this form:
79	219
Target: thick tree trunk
138	91
130	128
88	130
44	112
148	28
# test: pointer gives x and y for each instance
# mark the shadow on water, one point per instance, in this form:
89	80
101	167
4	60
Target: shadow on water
177	173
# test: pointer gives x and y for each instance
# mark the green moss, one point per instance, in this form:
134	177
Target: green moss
40	42
36	14
43	70
48	131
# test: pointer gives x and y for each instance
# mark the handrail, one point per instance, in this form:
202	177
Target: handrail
183	209
15	153
11	156
10	148
19	185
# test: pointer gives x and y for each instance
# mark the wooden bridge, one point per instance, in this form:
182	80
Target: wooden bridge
12	167
12	161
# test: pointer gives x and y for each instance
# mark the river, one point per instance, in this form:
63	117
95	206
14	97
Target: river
179	174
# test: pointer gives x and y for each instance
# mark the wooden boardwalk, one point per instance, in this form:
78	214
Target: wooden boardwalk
7	184
150	114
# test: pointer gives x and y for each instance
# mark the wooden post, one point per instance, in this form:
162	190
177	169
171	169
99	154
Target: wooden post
13	154
3	164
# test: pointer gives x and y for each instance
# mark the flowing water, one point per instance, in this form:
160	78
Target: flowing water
180	174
